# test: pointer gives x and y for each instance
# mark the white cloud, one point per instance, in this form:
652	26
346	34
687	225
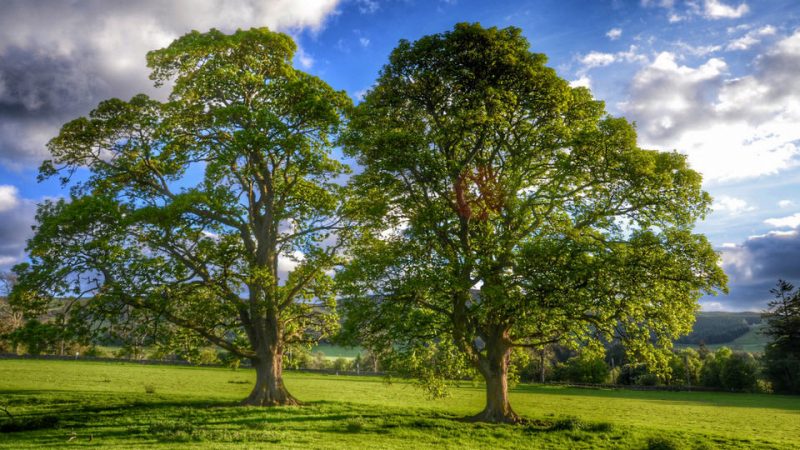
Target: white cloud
614	33
783	204
716	9
751	38
784	222
697	50
731	205
675	18
582	81
305	60
731	128
8	197
16	220
599	59
363	41
711	306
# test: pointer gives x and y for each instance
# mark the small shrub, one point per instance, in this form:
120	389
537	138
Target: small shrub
648	379
149	388
663	443
600	427
342	365
207	356
354	425
568	424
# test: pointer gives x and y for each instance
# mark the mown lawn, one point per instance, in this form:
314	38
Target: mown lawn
85	404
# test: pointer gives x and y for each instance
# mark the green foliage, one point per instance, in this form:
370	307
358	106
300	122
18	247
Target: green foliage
782	355
731	371
584	368
37	337
685	367
500	207
740	373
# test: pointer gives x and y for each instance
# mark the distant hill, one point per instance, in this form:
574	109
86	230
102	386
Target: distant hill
736	330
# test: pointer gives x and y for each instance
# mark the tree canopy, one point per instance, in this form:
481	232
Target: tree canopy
507	209
217	211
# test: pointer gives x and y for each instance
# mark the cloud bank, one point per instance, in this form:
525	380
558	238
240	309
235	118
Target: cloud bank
731	128
59	59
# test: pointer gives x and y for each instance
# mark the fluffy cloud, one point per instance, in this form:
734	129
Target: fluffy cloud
710	9
715	9
59	59
595	59
731	205
16	220
783	204
754	267
792	221
582	81
751	38
8	197
614	33
731	127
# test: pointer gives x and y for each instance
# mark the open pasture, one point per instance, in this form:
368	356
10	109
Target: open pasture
124	405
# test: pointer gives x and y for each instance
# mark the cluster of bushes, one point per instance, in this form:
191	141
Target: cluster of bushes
723	369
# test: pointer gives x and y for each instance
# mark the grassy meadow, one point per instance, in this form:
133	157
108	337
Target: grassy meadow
128	405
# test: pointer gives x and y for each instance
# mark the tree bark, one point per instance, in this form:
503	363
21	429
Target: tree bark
269	389
494	368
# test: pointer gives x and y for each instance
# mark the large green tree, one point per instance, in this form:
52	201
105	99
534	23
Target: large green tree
509	210
183	210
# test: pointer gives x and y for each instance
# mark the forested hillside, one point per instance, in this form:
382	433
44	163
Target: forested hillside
732	329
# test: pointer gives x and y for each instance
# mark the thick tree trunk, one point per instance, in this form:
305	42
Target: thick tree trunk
269	389
494	368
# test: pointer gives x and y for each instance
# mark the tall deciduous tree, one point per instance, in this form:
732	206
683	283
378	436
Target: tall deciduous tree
509	210
191	205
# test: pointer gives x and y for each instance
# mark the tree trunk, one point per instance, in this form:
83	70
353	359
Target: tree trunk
494	368
269	389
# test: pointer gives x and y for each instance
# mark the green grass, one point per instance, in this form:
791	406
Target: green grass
106	405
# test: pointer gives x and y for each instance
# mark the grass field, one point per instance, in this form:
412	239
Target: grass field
106	405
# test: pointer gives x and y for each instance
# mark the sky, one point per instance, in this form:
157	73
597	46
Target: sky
713	79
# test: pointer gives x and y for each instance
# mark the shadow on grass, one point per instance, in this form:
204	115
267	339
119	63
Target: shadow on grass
726	399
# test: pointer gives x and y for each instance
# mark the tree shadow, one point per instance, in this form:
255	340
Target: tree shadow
710	398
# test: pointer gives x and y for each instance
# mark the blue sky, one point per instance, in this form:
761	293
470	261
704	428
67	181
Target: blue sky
714	79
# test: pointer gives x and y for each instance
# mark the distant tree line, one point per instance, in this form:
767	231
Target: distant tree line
721	369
